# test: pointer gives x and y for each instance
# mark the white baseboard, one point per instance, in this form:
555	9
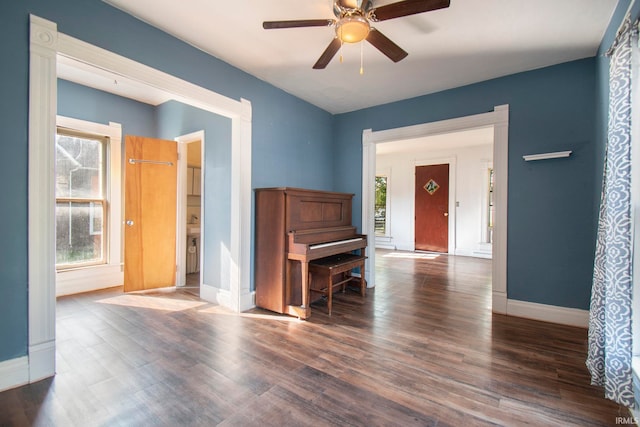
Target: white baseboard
248	301
42	361
499	302
223	297
14	373
405	246
476	253
215	295
548	313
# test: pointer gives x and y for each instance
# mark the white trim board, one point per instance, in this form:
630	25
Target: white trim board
222	296
499	120
14	373
46	45
548	313
181	217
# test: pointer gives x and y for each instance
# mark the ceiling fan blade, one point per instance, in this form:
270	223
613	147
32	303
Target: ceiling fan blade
386	46
270	25
328	54
405	8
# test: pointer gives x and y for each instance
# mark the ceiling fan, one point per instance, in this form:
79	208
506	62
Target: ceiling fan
353	24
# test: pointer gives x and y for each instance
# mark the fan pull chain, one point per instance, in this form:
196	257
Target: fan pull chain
341	44
361	57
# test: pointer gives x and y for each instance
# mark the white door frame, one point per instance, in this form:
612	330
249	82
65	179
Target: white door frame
499	120
46	44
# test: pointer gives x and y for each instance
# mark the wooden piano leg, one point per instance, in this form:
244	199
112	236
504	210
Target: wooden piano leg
304	267
330	293
363	282
300	311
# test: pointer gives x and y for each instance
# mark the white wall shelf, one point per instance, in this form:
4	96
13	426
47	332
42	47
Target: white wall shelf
544	156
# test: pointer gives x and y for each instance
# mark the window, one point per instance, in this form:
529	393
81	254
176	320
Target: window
88	180
81	205
381	228
490	207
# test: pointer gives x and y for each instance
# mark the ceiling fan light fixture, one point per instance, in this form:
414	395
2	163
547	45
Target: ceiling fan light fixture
352	29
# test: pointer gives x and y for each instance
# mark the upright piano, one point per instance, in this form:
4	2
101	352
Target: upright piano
293	227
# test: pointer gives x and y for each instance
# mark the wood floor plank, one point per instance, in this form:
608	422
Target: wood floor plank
423	348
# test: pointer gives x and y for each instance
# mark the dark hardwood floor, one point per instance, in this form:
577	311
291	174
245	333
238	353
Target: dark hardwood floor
422	348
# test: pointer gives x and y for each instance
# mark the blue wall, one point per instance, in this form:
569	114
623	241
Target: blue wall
85	103
551	204
175	119
291	138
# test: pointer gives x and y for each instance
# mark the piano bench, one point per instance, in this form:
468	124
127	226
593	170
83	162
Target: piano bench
323	273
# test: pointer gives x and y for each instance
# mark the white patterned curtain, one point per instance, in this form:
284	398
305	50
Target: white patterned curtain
610	337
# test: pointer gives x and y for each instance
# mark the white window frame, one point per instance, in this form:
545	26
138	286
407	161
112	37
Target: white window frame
104	141
486	167
387	217
104	275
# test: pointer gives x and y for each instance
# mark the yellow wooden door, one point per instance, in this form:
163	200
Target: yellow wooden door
150	213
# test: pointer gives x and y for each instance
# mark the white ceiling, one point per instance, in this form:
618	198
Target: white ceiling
448	141
468	42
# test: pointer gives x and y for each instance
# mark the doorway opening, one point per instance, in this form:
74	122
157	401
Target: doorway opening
496	123
47	46
190	224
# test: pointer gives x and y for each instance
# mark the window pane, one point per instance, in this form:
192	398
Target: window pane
381	205
491	208
79	232
78	167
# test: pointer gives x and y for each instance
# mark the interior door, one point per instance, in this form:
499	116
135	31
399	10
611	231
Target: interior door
150	213
432	208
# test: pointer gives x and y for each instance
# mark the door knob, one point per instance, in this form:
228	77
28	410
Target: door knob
446	214
129	222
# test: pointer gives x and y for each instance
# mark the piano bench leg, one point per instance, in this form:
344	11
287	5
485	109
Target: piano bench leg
330	294
363	282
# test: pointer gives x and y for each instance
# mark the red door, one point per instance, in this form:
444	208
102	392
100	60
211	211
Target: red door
432	208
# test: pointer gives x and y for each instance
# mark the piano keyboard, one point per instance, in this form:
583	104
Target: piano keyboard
339	242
